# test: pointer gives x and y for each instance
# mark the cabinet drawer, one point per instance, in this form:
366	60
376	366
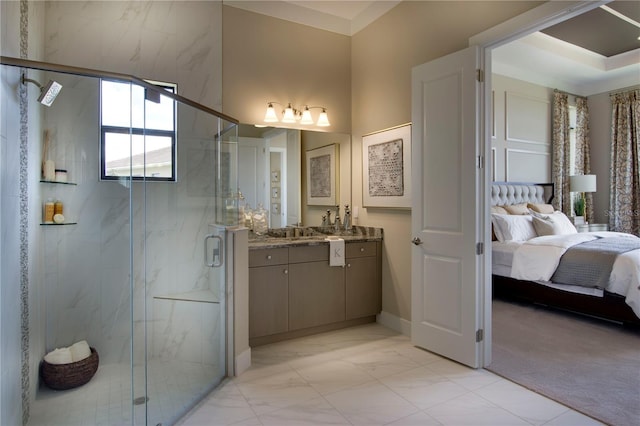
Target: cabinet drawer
309	253
266	257
360	249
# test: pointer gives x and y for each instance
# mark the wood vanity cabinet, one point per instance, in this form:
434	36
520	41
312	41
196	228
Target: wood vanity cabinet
268	292
363	274
316	290
293	291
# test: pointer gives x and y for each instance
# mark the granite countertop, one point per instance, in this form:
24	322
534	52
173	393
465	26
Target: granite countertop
312	236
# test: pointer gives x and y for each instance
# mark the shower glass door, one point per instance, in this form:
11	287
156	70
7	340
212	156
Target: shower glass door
179	292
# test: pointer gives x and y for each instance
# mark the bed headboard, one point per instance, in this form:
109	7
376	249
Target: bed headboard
508	193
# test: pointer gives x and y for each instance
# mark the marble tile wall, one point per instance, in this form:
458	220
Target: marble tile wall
77	278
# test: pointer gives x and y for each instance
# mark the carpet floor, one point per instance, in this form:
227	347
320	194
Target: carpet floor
590	365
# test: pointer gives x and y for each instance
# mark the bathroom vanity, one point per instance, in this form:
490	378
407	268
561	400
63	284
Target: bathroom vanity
293	290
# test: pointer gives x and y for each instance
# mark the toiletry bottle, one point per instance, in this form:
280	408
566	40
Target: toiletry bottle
58	207
49	211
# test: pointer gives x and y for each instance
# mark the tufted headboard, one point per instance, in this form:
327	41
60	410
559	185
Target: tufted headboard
508	193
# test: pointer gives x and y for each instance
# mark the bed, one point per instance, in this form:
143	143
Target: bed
539	257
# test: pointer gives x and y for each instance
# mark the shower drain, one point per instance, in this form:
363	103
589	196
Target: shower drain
140	400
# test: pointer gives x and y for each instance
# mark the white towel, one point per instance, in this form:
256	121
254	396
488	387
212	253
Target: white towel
59	356
80	350
336	251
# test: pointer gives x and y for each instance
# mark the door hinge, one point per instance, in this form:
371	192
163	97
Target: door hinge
481	161
479	248
479	335
480	75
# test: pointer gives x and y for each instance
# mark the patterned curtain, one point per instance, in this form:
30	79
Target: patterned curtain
582	153
624	201
561	152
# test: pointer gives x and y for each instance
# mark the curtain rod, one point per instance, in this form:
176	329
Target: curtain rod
624	90
567	93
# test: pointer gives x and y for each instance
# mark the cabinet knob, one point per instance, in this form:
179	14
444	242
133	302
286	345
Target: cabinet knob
268	257
348	265
286	271
361	249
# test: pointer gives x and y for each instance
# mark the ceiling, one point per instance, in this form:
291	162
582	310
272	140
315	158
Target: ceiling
590	53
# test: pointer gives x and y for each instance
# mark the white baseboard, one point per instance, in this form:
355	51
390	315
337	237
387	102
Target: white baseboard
394	322
243	362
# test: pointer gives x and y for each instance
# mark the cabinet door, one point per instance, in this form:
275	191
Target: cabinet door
268	294
363	287
316	294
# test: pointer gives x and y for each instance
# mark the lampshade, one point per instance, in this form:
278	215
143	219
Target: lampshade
289	116
323	119
582	183
306	116
270	116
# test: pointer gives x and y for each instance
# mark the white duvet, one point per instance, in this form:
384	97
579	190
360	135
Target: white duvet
538	258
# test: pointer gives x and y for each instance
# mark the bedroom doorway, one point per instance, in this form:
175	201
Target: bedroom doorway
539	18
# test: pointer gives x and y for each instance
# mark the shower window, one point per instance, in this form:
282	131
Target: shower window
138	134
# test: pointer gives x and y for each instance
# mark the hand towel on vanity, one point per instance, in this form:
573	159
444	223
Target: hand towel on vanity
80	350
336	251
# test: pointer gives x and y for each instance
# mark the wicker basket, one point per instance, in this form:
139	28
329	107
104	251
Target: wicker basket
67	376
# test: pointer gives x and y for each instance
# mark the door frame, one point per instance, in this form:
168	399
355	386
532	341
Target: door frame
522	25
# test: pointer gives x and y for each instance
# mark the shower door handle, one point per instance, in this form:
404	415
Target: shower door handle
216	253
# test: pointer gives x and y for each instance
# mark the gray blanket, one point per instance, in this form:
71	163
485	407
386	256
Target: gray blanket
589	264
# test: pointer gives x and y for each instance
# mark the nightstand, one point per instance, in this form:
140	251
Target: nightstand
582	228
592	227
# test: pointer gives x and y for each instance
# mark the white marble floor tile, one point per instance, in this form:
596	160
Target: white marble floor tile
277	391
316	411
333	376
423	387
473	410
224	406
418	419
528	405
383	362
573	418
371	404
369	375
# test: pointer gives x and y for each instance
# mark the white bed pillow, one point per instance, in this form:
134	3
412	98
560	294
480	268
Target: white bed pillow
556	223
513	227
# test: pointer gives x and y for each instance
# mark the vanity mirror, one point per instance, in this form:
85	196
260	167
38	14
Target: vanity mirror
272	170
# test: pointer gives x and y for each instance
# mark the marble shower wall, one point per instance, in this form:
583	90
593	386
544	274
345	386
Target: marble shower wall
87	265
168	41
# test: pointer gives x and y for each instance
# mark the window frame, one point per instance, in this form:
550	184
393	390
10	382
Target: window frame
140	131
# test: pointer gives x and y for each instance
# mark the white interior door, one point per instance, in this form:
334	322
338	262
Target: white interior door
446	304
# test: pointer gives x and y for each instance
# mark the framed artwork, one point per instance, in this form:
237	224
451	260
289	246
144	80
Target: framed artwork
386	168
321	176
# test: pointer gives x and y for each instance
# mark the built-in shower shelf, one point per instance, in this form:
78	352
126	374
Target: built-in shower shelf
59	224
205	296
59	183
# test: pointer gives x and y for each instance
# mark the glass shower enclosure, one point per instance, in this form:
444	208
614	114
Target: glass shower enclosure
133	259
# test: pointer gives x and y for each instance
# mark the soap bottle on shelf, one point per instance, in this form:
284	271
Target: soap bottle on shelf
48	211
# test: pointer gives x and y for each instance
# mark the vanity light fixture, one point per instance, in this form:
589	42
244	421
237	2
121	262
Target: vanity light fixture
292	115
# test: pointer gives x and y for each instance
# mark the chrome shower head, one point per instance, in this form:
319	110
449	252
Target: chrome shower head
48	92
